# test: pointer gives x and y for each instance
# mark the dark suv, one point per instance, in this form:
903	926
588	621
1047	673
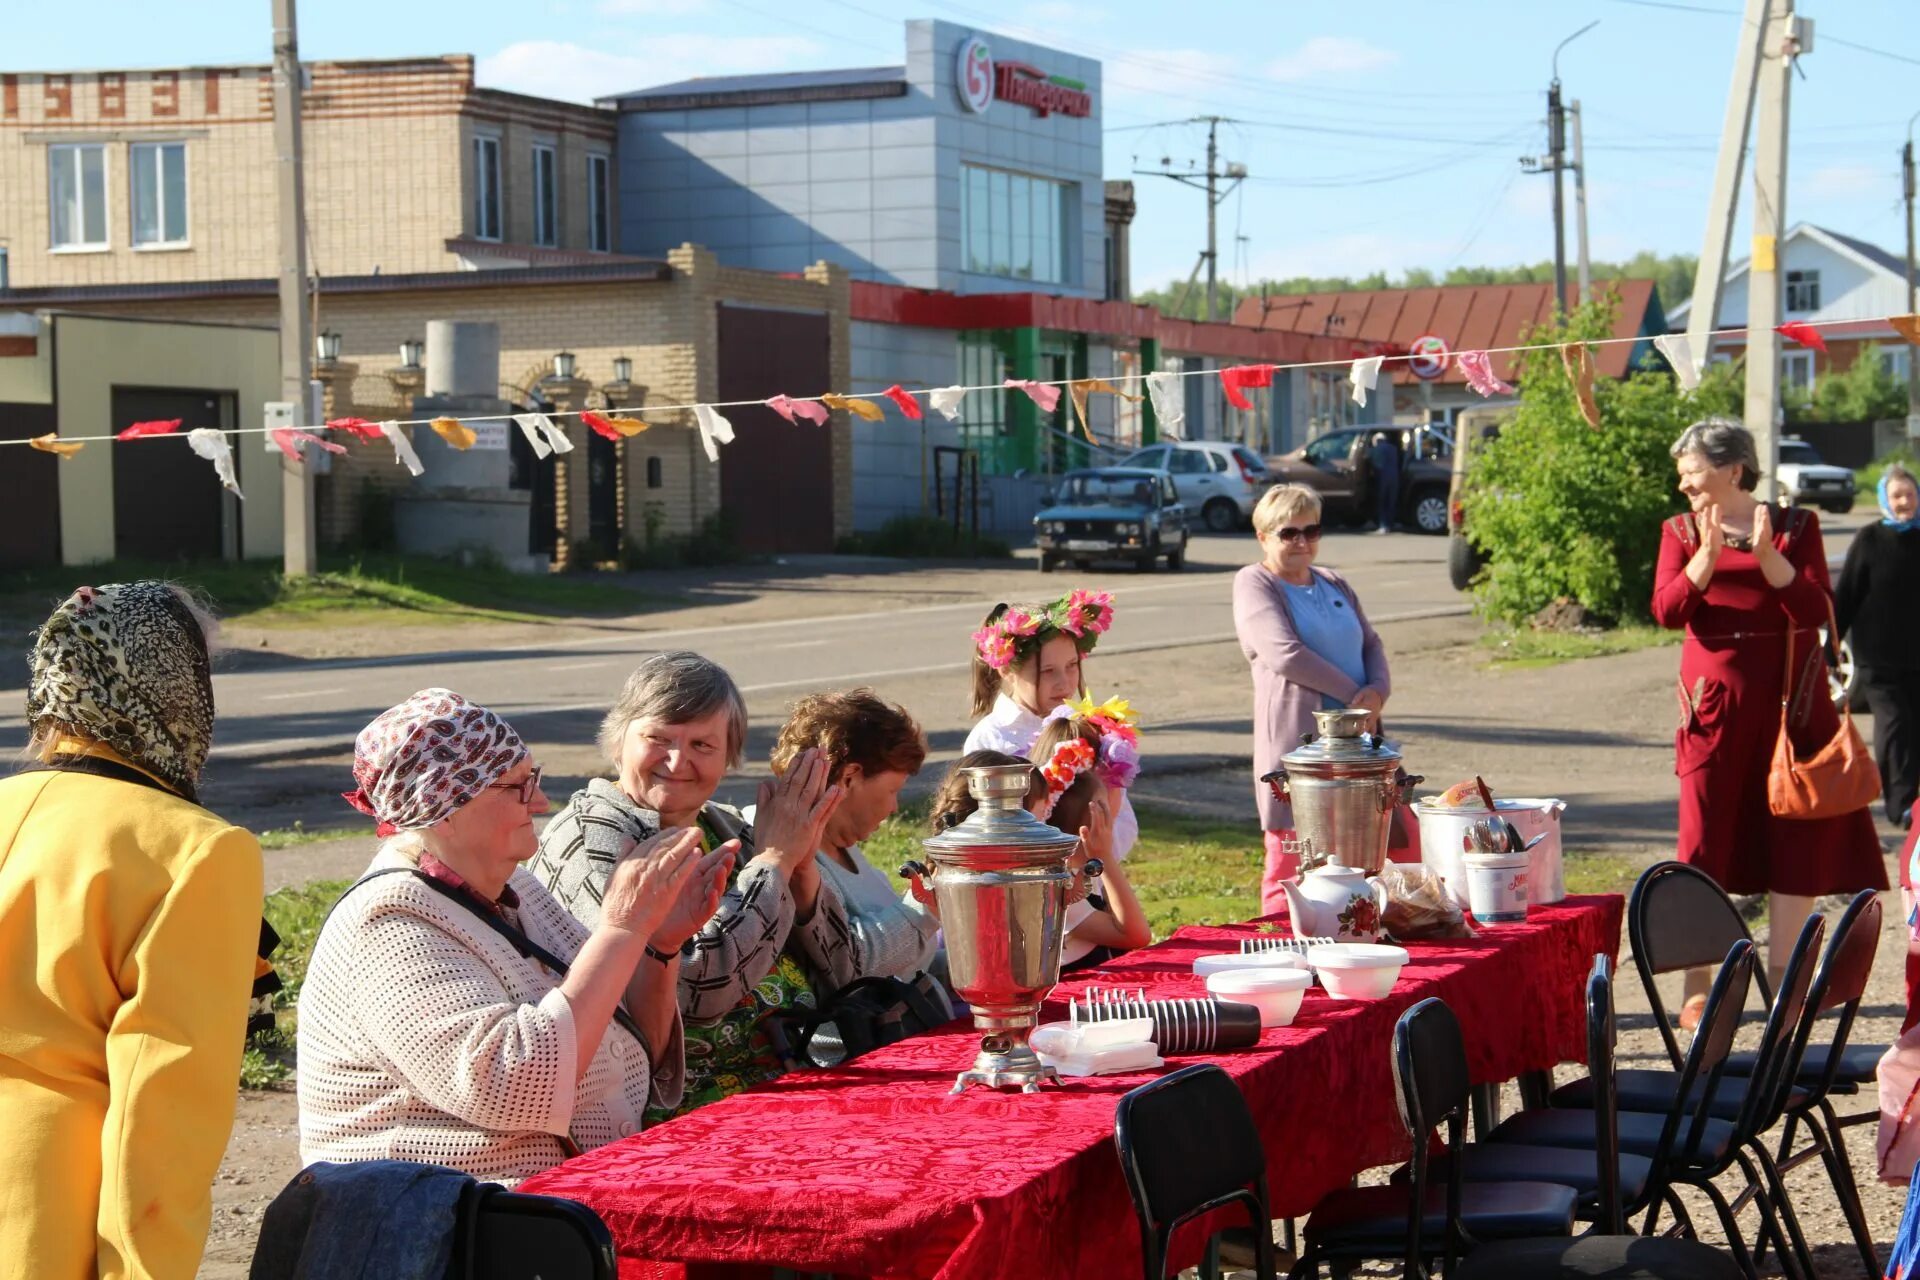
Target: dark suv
1329	464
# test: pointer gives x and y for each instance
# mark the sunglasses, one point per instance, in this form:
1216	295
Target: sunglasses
526	789
1290	534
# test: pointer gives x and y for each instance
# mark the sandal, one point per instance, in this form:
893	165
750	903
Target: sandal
1694	1009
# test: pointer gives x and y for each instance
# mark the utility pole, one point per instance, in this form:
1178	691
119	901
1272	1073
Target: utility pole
1580	206
1555	162
1913	295
297	525
1209	182
1703	315
1786	37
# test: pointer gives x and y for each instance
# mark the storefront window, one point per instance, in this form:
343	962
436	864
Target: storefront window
1014	224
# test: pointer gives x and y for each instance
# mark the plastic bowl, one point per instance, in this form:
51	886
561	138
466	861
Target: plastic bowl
1357	970
1207	965
1276	992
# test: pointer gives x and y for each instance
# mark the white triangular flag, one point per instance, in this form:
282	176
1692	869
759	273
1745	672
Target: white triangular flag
946	401
714	430
402	448
530	426
1169	402
212	445
1678	350
1364	374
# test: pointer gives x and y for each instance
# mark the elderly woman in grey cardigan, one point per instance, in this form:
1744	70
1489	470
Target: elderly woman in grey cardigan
1311	649
780	941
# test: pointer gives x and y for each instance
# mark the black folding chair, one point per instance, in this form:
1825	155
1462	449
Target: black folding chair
1607	1250
1188	1146
503	1235
1415	1221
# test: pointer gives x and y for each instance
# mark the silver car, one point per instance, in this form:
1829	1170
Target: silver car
1220	480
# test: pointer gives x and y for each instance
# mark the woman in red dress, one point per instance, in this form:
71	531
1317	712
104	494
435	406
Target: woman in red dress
1740	574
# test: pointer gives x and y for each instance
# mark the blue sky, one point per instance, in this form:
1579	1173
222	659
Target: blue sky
1379	136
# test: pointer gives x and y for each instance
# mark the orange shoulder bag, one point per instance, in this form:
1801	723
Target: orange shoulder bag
1838	778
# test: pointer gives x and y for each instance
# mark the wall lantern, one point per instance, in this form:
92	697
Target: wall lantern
326	347
563	365
411	350
622	369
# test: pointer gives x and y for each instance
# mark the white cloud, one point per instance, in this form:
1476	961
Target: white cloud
1331	55
575	73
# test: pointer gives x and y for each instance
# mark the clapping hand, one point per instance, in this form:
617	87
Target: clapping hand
1764	552
1713	535
647	884
791	818
699	898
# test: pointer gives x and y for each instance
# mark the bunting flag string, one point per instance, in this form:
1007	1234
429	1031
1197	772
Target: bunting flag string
454	432
1164	389
902	397
1081	388
1364	375
212	445
1687	366
1477	367
140	430
402	448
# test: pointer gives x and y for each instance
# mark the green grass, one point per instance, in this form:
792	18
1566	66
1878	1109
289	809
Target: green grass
299	834
361	590
1522	648
1867	478
296	915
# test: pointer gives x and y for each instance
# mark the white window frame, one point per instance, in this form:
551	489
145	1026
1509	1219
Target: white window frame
1808	279
184	239
546	196
483	144
105	243
600	206
1791	360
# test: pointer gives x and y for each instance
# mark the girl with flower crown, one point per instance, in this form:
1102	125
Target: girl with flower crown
1087	759
1029	659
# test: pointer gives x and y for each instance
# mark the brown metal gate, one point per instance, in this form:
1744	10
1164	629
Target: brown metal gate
776	478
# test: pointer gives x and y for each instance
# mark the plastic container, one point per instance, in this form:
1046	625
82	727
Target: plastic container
1497	886
1275	992
1443	830
1358	970
1206	966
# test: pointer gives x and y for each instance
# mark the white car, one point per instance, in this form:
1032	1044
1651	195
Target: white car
1220	480
1805	481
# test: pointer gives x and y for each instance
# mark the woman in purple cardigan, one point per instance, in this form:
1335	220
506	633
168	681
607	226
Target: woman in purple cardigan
1311	649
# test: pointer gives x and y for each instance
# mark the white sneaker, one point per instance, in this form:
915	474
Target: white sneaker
1383	530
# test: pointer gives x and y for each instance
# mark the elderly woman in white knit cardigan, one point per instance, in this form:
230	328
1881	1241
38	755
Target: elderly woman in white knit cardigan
453	1012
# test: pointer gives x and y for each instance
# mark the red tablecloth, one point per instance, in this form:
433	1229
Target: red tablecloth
874	1169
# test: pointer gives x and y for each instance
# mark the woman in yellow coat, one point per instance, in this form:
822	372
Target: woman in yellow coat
129	918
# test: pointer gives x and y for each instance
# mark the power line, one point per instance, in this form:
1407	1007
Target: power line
1867	48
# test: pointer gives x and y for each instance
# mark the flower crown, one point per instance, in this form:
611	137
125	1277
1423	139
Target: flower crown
1016	634
1063	768
1117	761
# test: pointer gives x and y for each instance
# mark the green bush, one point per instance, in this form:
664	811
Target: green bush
1563	510
924	537
716	542
1866	392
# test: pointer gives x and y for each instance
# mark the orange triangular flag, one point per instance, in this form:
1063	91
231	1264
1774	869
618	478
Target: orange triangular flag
855	405
1080	388
1579	365
627	426
454	432
51	443
1907	327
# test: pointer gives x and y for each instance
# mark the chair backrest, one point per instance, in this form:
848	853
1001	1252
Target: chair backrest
1678	918
1704	1065
1606	1119
1776	1062
510	1236
1840	984
1187	1144
1433	1082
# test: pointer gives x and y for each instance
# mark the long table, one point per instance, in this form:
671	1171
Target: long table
874	1169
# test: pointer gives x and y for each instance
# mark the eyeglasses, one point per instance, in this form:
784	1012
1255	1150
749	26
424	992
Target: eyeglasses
526	789
1290	534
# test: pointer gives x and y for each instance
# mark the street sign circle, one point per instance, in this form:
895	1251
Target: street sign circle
973	74
1427	356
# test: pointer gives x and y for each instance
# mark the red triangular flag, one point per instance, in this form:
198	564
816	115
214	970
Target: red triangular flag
908	405
600	425
358	427
162	427
1236	378
1803	333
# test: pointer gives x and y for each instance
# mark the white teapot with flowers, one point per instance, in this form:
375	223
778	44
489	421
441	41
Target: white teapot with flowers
1336	902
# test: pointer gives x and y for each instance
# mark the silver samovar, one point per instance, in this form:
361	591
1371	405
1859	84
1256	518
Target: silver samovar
1344	784
1002	883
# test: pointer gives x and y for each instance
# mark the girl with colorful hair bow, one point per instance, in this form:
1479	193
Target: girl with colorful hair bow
1086	762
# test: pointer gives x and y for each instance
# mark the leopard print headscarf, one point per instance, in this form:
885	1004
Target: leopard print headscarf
126	665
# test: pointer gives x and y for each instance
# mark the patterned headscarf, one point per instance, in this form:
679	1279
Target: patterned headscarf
421	760
126	665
